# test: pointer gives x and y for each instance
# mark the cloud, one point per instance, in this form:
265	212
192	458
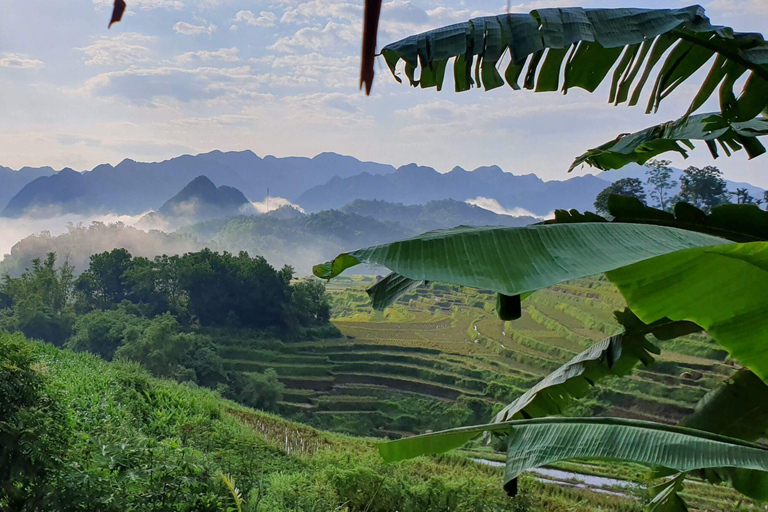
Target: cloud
270	204
314	68
121	50
146	5
264	19
222	54
142	86
733	8
188	29
316	10
334	36
489	203
11	60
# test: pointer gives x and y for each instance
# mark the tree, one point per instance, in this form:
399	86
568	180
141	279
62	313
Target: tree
628	187
103	284
744	197
659	176
40	301
704	188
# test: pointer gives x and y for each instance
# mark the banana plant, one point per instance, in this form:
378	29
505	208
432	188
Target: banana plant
623	47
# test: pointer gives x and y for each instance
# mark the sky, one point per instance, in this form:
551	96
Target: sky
280	77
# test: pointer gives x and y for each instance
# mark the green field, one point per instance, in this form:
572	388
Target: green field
441	358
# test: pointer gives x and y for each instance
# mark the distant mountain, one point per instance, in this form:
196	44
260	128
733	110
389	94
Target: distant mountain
134	187
442	214
412	184
12	181
198	201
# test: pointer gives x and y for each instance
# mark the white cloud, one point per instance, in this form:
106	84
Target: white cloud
334	36
143	86
188	29
222	54
270	204
264	19
738	7
145	5
11	60
123	49
489	203
319	68
314	11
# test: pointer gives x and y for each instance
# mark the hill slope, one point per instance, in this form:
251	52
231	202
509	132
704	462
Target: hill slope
198	201
108	437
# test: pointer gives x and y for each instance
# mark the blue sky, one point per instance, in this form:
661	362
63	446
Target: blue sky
280	77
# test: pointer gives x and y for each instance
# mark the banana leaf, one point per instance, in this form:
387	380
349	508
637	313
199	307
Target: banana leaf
513	261
677	136
723	289
537	442
584	45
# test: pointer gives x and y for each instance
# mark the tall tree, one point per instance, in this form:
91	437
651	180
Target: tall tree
630	187
659	177
704	188
744	197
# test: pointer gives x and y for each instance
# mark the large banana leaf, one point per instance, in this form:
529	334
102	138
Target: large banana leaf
737	408
512	261
676	136
723	289
538	442
616	355
584	45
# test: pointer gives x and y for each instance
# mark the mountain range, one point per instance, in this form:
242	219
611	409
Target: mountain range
327	181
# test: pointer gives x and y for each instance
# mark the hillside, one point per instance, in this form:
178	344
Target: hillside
198	201
116	439
442	214
412	184
135	187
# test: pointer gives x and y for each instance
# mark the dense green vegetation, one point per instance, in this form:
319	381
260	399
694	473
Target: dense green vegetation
168	313
79	433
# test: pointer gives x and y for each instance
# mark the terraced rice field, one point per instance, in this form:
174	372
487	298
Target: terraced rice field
441	358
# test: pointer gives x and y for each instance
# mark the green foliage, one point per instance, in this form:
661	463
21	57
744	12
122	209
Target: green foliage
628	187
118	440
34	432
703	188
659	175
39	302
103	332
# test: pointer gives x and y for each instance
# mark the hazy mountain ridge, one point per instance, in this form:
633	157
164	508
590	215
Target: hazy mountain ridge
413	184
135	187
199	200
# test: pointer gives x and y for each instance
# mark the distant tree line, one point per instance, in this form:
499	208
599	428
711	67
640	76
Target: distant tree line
168	312
703	188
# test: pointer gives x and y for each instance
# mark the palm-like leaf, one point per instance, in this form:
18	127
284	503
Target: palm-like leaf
584	45
538	442
512	261
677	136
723	289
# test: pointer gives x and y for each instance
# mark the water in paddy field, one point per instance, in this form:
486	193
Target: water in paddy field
593	483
